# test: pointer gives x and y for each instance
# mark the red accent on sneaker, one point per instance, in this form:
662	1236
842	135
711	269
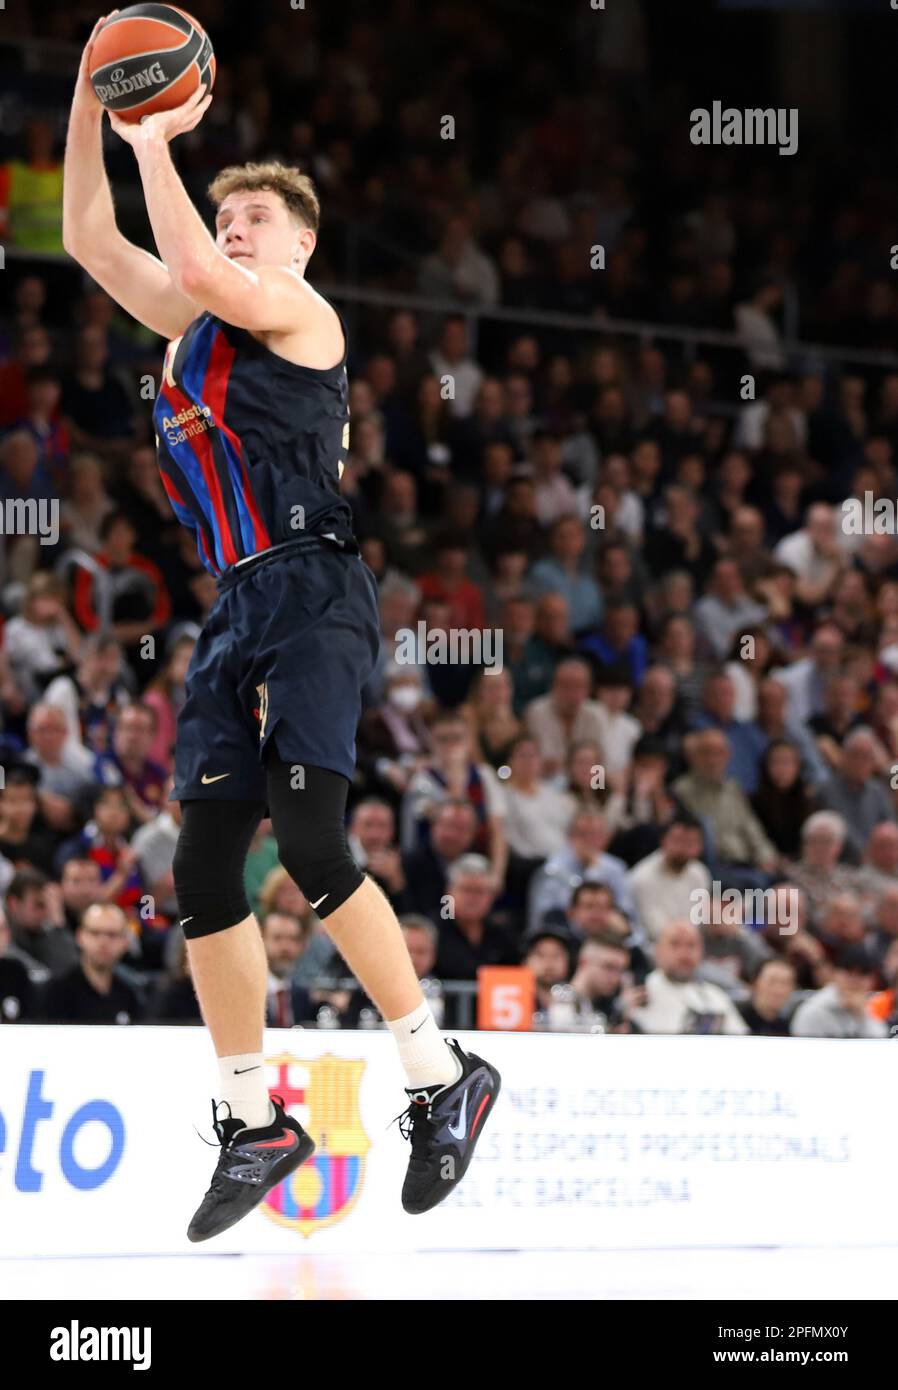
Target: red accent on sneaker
284	1142
477	1116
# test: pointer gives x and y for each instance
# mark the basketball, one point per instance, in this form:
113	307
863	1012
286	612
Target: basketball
150	58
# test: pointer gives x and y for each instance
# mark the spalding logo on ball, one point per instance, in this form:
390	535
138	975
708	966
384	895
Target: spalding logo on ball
150	58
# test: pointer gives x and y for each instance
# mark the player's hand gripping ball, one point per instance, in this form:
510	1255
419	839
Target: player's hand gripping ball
149	58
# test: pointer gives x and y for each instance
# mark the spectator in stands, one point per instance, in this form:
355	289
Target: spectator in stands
565	571
841	923
884	923
175	999
93	990
582	859
489	711
741	852
600	978
805	680
453	831
92	698
452	772
285	939
82	884
470	936
165	697
448	581
104	840
731	952
884	1005
97	401
726	611
372	842
537	814
665	883
43	638
839	1010
133	590
422	940
127	763
26	840
783	800
767	1011
393	735
459	269
154	846
16	990
746	741
776	725
65	770
548	953
856	793
566	715
88	504
618	642
818	872
620	731
674	999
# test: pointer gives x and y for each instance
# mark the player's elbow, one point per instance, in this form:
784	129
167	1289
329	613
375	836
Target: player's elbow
191	279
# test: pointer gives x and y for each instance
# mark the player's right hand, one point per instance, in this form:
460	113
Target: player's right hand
84	90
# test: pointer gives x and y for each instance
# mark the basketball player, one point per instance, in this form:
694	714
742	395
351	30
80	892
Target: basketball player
252	427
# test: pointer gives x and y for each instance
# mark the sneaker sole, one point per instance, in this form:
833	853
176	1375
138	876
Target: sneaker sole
445	1188
296	1160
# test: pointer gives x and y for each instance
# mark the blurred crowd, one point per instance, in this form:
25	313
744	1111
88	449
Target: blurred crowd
536	136
692	680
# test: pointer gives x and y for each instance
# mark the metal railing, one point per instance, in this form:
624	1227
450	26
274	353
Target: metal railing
691	340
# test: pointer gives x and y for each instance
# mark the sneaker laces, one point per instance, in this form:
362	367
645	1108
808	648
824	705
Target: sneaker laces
416	1123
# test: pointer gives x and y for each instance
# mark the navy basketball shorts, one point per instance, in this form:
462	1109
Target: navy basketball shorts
284	653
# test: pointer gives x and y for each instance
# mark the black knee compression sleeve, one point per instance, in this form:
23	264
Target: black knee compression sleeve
308	807
209	861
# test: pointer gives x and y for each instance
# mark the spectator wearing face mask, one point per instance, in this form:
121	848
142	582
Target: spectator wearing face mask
393	737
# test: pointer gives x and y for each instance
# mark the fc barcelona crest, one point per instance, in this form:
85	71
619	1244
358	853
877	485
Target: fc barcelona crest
324	1097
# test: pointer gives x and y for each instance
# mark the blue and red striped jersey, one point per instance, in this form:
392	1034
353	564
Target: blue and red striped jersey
251	447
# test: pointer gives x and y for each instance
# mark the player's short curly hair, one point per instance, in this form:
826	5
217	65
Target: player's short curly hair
296	189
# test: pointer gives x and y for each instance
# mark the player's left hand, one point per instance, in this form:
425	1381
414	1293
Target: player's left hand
164	125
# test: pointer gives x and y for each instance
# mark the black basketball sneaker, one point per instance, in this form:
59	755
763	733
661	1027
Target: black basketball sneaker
444	1124
251	1163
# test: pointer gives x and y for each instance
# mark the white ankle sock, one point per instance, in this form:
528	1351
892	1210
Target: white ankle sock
424	1054
243	1087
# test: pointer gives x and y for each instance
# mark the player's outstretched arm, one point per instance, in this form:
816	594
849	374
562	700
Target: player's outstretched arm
136	280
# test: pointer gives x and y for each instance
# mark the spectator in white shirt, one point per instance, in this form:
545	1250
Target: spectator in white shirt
43	638
537	814
806	680
726	609
664	882
566	715
814	555
459	269
620	731
674	999
556	495
452	359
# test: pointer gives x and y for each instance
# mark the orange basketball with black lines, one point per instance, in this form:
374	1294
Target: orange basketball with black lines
150	58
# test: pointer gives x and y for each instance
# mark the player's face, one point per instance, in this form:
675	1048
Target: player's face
254	227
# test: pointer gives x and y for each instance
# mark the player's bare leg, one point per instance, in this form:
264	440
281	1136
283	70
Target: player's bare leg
230	975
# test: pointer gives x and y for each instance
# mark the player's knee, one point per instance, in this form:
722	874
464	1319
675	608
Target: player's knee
318	859
208	868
